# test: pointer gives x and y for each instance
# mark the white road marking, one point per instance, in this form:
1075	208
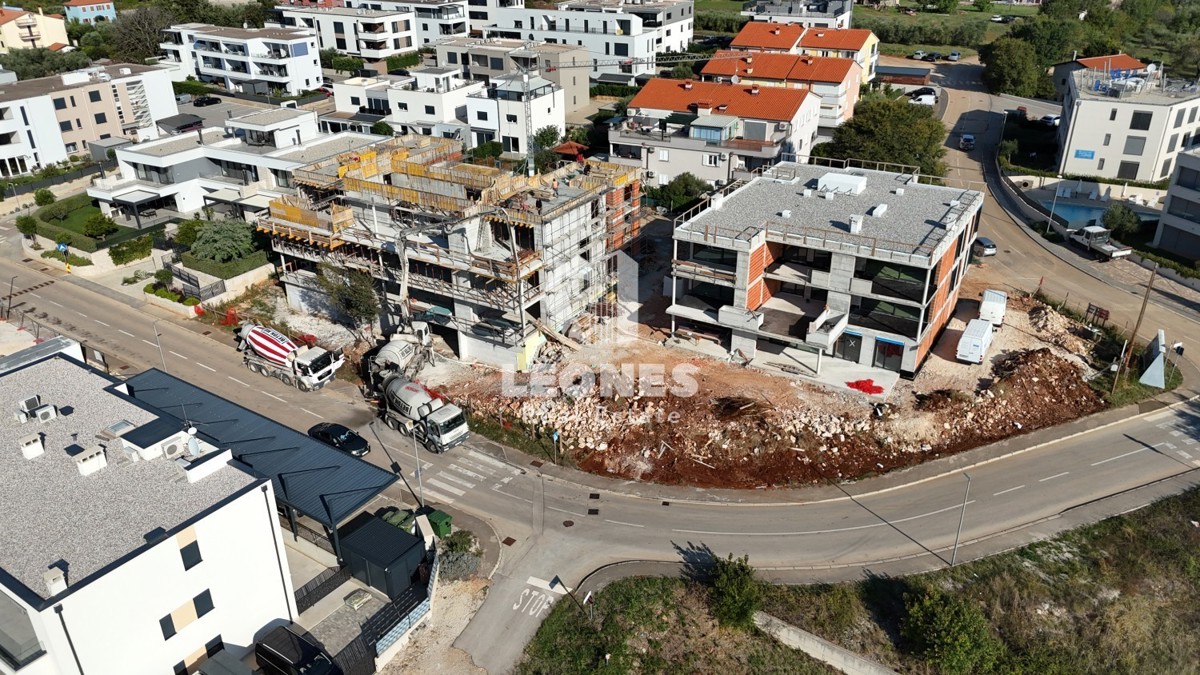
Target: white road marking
82	314
545	585
206	367
237	380
437	497
1183	454
1011	489
490	460
1190	441
1111	459
465	472
126	333
152	344
55	303
35	295
273	396
617	522
442	486
312	413
101	323
830	531
512	496
456	479
179	355
1177	433
1057	475
571	513
474	465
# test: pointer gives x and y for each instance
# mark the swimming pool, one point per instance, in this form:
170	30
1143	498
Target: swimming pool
1078	215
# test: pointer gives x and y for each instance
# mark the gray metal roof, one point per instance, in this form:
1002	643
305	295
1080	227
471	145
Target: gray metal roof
383	544
317	480
905	71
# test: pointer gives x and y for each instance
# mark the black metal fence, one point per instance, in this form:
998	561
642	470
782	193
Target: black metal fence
189	281
73	174
357	658
322	585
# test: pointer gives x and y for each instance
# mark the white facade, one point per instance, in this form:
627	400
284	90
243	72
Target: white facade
429	102
283	58
498	112
1179	223
822	13
1126	125
610	30
436	20
568	66
370	34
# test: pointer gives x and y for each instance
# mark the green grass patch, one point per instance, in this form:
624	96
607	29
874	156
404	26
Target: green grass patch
226	270
905	51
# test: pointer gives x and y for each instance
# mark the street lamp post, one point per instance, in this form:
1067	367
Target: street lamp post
962	514
158	341
8	307
1053	205
417	459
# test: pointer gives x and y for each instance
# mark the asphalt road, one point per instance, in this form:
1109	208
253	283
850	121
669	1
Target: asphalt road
557	524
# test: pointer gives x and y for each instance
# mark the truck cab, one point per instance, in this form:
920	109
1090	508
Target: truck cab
315	366
446	427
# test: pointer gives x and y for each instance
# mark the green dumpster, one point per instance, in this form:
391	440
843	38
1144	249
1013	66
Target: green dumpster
440	522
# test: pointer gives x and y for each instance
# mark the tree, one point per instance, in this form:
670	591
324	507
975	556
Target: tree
945	6
735	594
94	45
1121	220
949	631
98	226
1189	57
682	71
346	64
1011	67
27	225
681	190
135	36
382	128
32	63
224	240
351	292
982	6
543	140
55	211
43	197
164	278
894	131
327	56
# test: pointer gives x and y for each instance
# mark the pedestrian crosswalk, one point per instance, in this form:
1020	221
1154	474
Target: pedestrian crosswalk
1184	431
468	470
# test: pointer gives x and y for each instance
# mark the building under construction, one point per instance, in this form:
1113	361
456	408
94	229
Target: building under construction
497	263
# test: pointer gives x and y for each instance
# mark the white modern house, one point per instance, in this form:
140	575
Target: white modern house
132	543
568	66
237	169
612	31
823	13
435	20
1126	124
497	113
48	119
429	102
370	34
1179	224
252	60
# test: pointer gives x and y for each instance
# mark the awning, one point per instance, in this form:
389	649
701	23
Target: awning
224	195
135	198
615	78
681	118
256	202
180	123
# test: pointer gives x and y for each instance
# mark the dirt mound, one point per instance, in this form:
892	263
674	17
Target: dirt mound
1058	330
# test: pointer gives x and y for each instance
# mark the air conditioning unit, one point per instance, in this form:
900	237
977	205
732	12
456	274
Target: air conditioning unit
46	413
649	174
22	417
30	404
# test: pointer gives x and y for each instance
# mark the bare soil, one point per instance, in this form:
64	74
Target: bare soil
431	650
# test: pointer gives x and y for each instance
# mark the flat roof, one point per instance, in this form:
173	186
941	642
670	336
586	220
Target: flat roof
1132	86
245	33
913	224
344	11
14	91
272	116
317	480
905	71
52	513
328	146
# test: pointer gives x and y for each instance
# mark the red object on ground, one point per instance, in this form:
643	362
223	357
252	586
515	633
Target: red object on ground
199	310
230	317
309	340
865	386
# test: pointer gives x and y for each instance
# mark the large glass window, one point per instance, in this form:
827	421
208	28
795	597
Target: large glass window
1141	121
1188	178
1128	170
1184	208
1135	145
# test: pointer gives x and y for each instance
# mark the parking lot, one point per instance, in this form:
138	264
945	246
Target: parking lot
215	115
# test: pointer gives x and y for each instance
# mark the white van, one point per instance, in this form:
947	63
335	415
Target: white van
993	306
975	341
926	99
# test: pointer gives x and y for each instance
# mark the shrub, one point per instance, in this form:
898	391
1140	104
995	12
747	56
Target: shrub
735	593
43	197
163	277
98	226
460	541
149	288
191	87
27	225
129	251
950	631
403	61
458	565
185	234
168	294
56	211
191	301
224	241
227	270
72	259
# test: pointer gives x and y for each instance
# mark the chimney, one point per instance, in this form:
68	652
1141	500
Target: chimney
90	460
785	214
754	90
31	446
687	84
775	31
856	223
879	210
56	581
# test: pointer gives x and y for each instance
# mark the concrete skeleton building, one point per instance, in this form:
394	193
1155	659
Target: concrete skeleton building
31	30
435	20
823	13
48	119
1179	224
495	261
370	34
859	44
252	60
861	265
716	131
1126	124
482	59
836	81
131	544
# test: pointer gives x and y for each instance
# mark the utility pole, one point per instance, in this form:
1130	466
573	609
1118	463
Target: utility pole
1137	326
962	514
417	458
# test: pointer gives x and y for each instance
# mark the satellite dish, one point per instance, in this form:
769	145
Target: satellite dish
1153	67
191	431
735	79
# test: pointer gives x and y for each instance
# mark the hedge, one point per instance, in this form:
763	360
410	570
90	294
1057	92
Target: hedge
618	90
192	87
1026	171
134	249
224	270
72	259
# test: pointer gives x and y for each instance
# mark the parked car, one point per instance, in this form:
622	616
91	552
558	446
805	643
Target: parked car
1010	19
996	18
327	81
934	57
343	438
967	142
327	91
202	101
917	55
927	99
984	247
1051	120
183	98
923	91
285	651
953	56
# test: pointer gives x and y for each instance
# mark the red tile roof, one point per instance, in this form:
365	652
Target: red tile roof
1118	61
782	67
7	15
849	39
770	103
56	46
763	35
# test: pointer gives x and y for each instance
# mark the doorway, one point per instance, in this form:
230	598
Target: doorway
848	347
888	355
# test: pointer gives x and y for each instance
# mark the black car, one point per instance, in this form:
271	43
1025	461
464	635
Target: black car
936	56
923	91
202	101
284	651
344	439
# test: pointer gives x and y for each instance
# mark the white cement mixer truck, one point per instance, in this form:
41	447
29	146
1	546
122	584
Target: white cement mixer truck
270	353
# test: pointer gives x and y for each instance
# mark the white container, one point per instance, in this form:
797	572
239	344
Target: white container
975	342
993	306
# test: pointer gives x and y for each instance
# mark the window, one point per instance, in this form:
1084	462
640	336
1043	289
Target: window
711	160
1188	178
191	555
1179	118
64	126
60	104
355	101
1171	142
72	101
1112	116
1166	167
78	123
511	119
403	106
480	115
621	48
1141	121
496	64
213	646
181	668
167	626
1184	208
429	110
203	604
452	57
664	155
1107	138
339	27
1134	145
101	118
1100	165
1187	140
1192	114
72	147
94	96
1128	170
341	43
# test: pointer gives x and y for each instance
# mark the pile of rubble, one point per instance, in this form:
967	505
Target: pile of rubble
1058	330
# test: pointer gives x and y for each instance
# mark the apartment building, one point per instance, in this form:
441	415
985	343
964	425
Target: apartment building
90	11
372	35
857	264
1179	224
48	119
31	30
859	44
1061	74
620	36
715	131
482	59
235	170
499	113
429	101
495	261
836	81
436	20
811	13
133	541
257	60
1126	124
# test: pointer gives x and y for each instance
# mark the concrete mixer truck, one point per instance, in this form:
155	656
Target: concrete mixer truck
270	353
